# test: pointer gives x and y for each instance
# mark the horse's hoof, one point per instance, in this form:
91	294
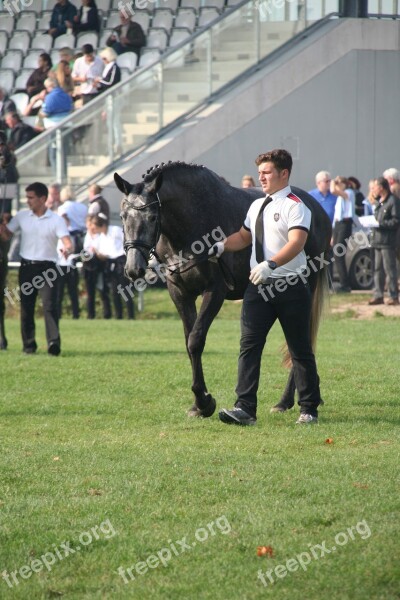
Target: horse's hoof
280	408
3	345
206	412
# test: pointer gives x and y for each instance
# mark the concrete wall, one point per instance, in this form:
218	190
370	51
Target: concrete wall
333	101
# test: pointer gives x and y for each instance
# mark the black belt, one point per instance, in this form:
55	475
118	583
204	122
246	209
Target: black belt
77	232
347	220
37	262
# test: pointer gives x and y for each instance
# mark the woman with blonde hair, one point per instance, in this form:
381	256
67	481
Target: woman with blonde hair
111	73
64	77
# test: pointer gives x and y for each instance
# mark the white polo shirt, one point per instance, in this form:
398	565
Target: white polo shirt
76	213
39	235
111	244
90	70
286	211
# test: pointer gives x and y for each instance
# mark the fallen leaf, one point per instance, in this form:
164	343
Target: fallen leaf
362	486
265	551
163	435
94	492
56	458
329	441
234	473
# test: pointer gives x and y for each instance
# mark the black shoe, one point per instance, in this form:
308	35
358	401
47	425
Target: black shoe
236	416
54	349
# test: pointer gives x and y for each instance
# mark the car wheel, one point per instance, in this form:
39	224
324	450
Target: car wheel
360	272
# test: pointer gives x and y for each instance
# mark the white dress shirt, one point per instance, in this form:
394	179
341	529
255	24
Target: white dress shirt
76	212
39	235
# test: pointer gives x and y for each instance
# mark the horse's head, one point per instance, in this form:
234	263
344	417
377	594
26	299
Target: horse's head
140	214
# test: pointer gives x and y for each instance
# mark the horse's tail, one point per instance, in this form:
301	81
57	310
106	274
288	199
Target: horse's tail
319	289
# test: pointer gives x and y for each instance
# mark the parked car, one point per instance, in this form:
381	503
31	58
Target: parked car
358	260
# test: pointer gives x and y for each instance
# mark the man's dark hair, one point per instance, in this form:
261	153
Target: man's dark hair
356	182
87	49
14	115
382	182
38	188
281	159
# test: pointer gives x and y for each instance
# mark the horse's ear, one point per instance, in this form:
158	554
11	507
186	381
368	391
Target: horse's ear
123	186
155	185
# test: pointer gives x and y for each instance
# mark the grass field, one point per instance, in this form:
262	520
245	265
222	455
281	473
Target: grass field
98	454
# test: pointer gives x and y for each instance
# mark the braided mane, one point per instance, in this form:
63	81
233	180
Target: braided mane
157	169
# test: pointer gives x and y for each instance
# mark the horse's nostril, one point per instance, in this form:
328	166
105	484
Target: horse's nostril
141	272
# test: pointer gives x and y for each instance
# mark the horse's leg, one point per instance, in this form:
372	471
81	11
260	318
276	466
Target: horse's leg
287	399
196	328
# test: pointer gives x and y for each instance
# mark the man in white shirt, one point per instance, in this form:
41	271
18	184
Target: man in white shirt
87	69
40	231
277	227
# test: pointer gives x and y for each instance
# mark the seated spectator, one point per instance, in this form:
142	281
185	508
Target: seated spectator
112	73
35	83
97	204
20	133
87	18
66	54
63	12
6	106
86	70
57	103
34	104
248	181
127	37
63	76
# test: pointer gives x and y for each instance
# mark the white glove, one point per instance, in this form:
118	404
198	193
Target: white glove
217	249
260	273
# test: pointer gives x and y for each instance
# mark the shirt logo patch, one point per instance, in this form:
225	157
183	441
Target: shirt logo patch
276	216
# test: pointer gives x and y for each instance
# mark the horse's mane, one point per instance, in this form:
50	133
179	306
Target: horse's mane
157	169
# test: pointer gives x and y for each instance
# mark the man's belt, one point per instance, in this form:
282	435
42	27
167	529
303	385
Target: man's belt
24	261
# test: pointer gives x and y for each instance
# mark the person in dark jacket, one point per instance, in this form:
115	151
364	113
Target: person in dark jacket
20	133
383	241
35	83
127	37
6	105
64	11
87	18
8	177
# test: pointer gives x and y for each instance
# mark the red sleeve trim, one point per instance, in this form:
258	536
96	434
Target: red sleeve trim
294	197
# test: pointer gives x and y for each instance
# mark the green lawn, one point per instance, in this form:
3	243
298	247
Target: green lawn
97	453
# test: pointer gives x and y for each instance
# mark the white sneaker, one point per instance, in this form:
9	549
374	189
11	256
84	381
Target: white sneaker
305	419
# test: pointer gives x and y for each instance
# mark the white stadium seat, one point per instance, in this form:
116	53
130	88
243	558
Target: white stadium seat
127	60
20	41
7	79
12	60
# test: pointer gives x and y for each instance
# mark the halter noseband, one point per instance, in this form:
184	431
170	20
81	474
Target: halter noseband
139	244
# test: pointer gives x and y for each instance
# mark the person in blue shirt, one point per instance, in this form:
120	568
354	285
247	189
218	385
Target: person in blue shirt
323	194
57	103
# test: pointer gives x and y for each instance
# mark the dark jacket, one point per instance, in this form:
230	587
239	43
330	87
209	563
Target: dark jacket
61	14
8	106
112	78
135	35
93	23
387	214
35	83
20	135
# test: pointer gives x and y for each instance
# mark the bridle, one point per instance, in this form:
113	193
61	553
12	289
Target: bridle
140	244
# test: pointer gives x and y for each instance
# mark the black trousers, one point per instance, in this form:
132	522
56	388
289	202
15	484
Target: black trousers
91	283
118	281
69	280
47	291
262	306
341	233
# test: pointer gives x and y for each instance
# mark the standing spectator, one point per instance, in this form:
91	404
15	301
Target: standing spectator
322	193
20	132
97	204
63	12
8	178
53	198
35	83
6	105
111	250
93	272
87	18
127	37
248	182
74	214
86	70
111	74
342	225
369	201
276	227
40	231
358	195
383	241
393	177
